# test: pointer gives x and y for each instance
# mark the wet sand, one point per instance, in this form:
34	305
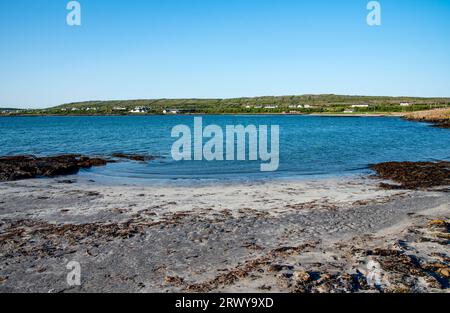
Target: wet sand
284	236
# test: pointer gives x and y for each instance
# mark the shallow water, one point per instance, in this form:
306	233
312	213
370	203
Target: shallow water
309	145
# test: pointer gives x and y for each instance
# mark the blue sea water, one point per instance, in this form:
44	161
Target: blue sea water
309	145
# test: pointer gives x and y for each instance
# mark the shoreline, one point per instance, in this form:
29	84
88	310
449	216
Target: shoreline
77	167
387	114
438	117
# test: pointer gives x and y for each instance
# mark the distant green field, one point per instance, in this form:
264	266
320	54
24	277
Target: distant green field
300	104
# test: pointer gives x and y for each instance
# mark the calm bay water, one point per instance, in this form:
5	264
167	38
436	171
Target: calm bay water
308	145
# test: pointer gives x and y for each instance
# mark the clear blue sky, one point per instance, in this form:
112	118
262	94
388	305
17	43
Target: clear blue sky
220	48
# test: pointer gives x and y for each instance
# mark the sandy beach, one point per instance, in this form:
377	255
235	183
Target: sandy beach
316	235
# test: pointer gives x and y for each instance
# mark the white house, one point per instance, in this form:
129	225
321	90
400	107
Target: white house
405	104
171	111
9	111
271	107
119	109
307	106
139	110
360	106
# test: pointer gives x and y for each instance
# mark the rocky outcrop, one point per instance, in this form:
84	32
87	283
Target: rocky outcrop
25	167
414	175
440	123
133	157
439	118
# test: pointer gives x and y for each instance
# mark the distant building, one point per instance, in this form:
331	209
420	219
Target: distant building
405	104
171	111
349	111
10	111
360	106
271	107
300	106
258	107
139	110
119	109
307	106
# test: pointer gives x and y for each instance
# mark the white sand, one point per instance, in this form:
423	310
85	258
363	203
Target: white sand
217	237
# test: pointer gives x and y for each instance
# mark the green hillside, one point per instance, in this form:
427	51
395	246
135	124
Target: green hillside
268	104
